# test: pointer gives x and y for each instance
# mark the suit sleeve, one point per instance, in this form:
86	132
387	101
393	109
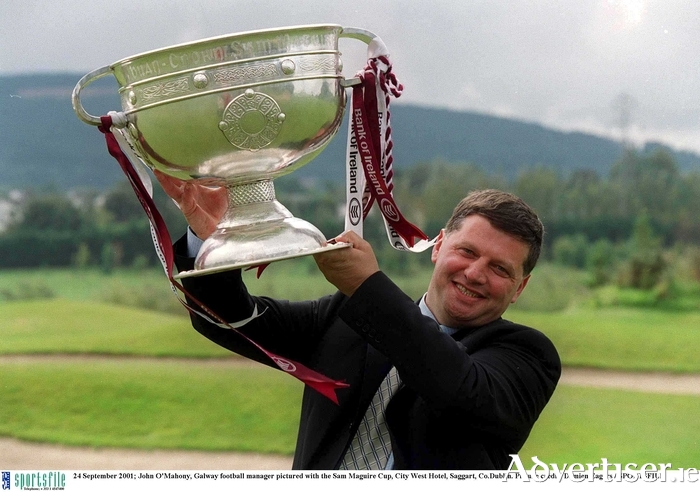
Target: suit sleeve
501	381
288	329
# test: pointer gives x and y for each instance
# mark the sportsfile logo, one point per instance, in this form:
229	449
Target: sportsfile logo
37	481
5	480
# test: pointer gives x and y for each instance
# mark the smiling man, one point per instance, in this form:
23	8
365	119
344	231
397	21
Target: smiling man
483	259
439	383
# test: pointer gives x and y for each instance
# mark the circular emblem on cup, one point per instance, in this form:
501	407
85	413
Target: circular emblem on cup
285	365
252	120
389	210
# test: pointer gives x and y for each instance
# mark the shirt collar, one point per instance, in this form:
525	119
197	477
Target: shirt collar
425	310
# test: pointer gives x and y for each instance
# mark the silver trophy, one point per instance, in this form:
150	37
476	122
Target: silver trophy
237	111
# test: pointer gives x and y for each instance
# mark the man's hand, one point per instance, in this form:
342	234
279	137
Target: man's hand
202	206
347	268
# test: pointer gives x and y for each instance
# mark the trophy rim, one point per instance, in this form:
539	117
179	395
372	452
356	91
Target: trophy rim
251	264
231	36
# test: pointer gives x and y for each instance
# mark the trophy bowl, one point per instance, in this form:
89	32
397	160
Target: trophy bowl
237	111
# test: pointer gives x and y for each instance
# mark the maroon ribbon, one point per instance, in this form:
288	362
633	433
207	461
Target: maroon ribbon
319	382
365	121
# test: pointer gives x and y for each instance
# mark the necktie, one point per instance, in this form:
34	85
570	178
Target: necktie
371	446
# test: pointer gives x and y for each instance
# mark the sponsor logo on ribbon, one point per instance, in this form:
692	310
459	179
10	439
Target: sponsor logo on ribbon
284	364
355	211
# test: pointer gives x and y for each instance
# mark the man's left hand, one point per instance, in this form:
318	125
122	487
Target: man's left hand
348	268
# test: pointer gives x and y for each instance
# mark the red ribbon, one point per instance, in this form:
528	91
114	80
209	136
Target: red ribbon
367	133
319	382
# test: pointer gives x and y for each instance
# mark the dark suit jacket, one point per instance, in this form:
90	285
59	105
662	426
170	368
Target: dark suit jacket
467	401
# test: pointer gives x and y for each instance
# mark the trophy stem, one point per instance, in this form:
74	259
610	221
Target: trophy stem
256	229
252	203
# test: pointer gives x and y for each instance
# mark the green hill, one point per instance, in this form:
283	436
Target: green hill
43	143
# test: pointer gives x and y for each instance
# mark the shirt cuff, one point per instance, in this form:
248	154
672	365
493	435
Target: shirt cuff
193	243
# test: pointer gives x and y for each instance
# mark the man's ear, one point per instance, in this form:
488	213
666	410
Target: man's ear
437	246
520	289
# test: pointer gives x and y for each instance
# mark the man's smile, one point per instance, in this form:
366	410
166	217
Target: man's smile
467	292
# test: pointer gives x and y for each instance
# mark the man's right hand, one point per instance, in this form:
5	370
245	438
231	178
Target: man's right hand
202	206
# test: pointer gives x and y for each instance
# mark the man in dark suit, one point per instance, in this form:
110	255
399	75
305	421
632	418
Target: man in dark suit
464	386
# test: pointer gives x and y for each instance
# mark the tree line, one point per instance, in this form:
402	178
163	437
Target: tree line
638	226
642	209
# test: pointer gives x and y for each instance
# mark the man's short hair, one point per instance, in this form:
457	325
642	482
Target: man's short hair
507	213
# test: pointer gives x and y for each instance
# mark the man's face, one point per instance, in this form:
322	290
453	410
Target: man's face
478	273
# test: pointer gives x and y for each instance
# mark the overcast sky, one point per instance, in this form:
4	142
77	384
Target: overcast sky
567	64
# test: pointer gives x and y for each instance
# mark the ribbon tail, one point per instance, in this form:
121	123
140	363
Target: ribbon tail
409	233
328	388
261	269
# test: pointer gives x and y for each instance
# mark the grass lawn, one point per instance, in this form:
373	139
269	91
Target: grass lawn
66	326
170	405
612	338
83	284
583	425
621	338
145	404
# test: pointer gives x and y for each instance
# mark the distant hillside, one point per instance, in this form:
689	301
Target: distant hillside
43	143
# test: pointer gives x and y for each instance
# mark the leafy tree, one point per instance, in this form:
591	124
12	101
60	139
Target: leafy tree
601	261
647	183
540	187
122	204
687	210
444	185
582	194
570	250
50	212
81	258
645	266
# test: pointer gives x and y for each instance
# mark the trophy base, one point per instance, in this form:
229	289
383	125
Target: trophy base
208	271
250	246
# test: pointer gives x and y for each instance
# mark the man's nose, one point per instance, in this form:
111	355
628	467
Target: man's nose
476	271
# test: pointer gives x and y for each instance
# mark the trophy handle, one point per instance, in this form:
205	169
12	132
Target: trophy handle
82	83
375	46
